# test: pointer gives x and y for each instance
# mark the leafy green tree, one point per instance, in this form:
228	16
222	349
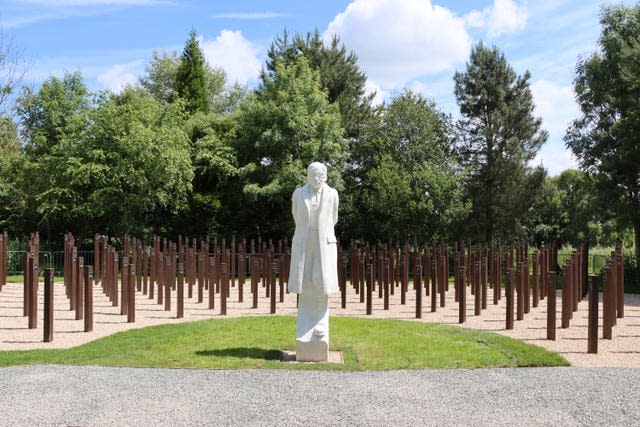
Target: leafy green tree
191	77
109	167
53	120
340	74
404	182
286	125
605	138
11	159
498	136
56	115
160	78
160	74
215	168
134	164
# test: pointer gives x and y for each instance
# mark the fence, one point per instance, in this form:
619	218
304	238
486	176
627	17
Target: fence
48	259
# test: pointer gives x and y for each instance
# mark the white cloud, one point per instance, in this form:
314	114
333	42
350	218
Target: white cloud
556	105
397	41
381	94
555	158
120	75
235	54
504	16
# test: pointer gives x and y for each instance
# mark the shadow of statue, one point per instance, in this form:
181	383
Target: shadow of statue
242	352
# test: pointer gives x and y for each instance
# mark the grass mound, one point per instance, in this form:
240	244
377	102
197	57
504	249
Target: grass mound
255	343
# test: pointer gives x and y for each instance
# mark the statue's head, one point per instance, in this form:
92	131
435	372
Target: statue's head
316	175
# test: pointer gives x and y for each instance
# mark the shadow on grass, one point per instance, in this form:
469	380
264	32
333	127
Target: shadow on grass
242	352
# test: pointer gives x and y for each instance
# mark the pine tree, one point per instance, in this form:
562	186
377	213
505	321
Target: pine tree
191	77
498	137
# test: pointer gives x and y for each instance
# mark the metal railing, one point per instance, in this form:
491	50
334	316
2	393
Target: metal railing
48	259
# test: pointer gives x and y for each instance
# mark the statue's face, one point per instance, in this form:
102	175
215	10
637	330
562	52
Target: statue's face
316	178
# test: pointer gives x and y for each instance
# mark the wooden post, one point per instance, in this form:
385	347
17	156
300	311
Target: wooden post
496	277
567	287
201	278
418	289
88	297
444	279
434	284
607	312
33	294
3	255
462	294
224	288
483	277
520	287
73	278
551	305
167	281
114	278
369	285
124	284
160	277
592	341
180	291
255	266
385	281
620	287
510	279
536	279
79	291
526	285
212	279
131	295
48	305
477	289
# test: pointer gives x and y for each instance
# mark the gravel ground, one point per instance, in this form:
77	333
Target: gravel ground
93	396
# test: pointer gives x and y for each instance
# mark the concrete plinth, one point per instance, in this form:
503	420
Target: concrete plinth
312	351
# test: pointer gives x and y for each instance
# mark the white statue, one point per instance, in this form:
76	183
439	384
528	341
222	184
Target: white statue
314	262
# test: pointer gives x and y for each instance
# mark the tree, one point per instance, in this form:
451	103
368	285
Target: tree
286	125
160	78
53	120
340	75
191	77
498	136
56	115
215	169
404	182
134	165
605	138
11	160
160	75
110	166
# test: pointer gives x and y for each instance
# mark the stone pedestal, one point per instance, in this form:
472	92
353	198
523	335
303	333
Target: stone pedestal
312	351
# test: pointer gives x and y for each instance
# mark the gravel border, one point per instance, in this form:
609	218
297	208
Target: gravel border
97	396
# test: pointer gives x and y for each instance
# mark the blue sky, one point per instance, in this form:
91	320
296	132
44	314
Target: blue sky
416	44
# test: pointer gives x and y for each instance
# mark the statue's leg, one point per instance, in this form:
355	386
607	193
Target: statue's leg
312	325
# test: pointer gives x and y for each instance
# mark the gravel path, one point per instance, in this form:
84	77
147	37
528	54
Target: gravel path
93	396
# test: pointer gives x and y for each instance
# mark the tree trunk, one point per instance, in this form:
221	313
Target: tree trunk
488	233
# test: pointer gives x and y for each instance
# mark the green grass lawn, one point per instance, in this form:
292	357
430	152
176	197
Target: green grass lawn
255	342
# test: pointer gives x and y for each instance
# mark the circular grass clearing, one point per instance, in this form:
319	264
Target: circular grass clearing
255	343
